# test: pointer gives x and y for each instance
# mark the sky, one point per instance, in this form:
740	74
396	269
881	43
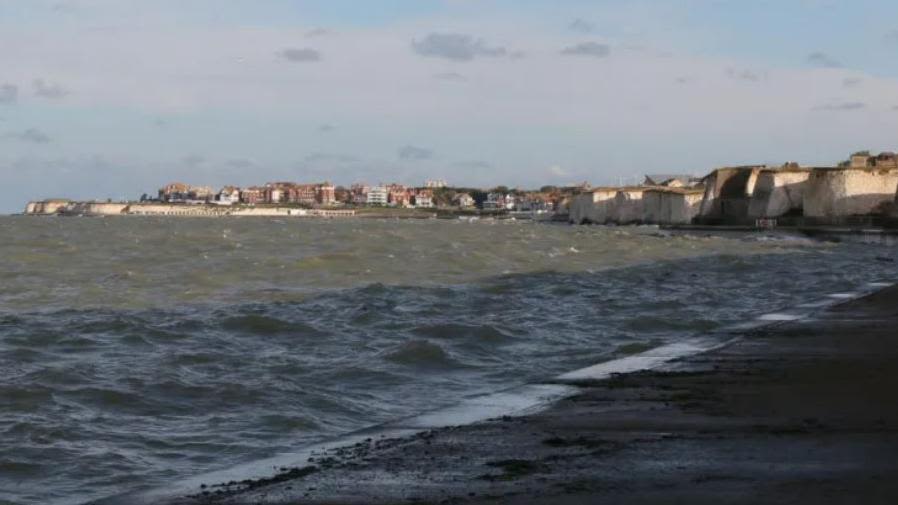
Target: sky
114	98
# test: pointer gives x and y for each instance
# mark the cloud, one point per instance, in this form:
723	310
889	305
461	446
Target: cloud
317	32
300	55
450	76
473	164
413	153
32	135
48	90
746	75
557	171
458	47
326	128
842	106
240	163
823	60
582	26
330	157
193	160
9	93
590	49
851	82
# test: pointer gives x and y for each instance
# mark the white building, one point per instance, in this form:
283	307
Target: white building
424	202
464	201
229	196
494	201
437	183
377	196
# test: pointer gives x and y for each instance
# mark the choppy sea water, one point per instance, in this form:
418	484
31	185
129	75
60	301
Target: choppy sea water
135	351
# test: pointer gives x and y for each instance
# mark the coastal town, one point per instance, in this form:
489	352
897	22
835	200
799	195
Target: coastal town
862	188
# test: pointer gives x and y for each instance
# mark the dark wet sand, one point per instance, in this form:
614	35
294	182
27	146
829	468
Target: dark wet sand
803	412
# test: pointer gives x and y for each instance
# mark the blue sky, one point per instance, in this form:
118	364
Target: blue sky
113	98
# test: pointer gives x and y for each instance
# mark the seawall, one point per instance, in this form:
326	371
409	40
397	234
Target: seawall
69	208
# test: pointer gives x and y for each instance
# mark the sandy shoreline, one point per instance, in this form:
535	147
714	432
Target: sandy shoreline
799	412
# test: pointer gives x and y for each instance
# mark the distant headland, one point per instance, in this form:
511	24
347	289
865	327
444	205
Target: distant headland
860	190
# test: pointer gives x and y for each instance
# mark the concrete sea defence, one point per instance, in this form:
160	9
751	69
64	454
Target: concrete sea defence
786	409
66	207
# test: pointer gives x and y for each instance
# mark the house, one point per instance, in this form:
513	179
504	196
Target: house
435	184
300	194
229	195
174	192
359	194
463	201
274	194
326	194
377	195
399	196
424	199
495	201
252	195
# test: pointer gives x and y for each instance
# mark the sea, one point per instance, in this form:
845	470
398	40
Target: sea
136	351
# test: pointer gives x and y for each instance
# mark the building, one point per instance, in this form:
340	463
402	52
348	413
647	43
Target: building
399	196
229	195
273	193
180	192
252	195
463	201
424	199
174	192
326	194
495	201
671	180
865	160
378	195
435	184
302	194
359	194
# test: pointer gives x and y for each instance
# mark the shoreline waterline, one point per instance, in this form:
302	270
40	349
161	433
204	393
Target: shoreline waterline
520	400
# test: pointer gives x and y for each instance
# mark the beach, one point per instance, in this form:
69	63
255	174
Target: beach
795	412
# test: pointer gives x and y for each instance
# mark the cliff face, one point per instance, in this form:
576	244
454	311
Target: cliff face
778	192
671	206
849	192
592	207
96	208
47	207
628	207
728	193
